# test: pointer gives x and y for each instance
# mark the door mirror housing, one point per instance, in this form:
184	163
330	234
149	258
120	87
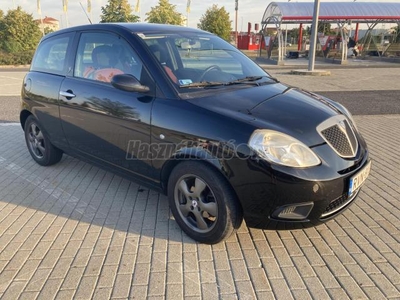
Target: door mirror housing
129	83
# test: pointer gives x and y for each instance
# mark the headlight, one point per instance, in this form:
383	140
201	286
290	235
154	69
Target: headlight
282	149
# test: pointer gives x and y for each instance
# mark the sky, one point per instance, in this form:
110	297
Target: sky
249	10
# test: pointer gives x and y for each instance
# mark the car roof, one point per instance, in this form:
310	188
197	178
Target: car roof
133	27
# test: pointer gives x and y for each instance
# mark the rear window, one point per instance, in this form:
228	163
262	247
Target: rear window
50	57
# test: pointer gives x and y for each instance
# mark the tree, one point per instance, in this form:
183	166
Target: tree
307	31
294	34
19	32
1	27
48	30
164	13
216	20
117	11
323	27
396	33
326	28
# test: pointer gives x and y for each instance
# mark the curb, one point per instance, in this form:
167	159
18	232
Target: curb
15	66
311	73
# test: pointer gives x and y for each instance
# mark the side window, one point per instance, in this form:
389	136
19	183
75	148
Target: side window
51	55
100	56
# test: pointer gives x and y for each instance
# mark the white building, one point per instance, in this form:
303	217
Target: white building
48	24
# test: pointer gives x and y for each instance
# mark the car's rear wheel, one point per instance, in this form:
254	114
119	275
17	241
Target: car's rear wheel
203	203
39	145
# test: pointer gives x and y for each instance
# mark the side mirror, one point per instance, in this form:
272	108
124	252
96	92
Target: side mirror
190	45
129	83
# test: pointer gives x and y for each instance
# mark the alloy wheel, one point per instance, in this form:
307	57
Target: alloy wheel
36	141
196	203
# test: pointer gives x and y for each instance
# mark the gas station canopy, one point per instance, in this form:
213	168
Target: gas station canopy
333	12
341	13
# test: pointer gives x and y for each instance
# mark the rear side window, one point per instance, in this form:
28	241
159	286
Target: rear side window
50	57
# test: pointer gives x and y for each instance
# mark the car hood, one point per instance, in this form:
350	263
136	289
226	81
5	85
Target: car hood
274	106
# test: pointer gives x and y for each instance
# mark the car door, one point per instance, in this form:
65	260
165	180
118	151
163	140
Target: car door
42	83
101	122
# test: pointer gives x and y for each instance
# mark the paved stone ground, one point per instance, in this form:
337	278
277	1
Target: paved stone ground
9	109
75	231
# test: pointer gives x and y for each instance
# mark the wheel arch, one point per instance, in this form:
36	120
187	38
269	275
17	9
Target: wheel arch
191	154
173	162
23	116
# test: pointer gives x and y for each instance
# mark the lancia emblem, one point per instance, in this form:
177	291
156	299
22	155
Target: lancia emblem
342	125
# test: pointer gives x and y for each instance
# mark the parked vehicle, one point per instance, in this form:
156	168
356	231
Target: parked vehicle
185	113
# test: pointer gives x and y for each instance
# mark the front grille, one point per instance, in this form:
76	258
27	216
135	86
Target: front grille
338	133
338	140
337	204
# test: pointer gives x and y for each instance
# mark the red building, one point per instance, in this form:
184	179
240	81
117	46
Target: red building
248	40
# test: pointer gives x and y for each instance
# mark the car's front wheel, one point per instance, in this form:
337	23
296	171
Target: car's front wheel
203	203
39	145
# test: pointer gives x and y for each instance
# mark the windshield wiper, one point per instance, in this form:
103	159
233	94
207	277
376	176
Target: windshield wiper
273	78
250	80
202	84
246	80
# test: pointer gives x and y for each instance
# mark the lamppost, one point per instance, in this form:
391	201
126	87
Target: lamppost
285	37
187	12
313	40
236	21
137	9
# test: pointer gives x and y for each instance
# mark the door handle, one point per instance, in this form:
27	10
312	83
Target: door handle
68	94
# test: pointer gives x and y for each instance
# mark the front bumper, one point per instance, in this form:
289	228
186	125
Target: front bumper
321	194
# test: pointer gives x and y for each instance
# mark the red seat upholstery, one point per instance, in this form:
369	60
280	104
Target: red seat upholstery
103	61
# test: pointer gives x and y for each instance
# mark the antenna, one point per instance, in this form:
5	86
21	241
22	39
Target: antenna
87	16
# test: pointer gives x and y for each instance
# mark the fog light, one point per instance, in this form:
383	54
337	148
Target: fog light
294	212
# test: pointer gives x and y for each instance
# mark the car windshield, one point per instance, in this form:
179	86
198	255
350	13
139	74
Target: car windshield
200	61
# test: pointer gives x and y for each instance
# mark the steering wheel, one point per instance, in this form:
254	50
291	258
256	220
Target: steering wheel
209	69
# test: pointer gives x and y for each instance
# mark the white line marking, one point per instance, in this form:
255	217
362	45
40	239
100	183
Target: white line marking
9	77
10	124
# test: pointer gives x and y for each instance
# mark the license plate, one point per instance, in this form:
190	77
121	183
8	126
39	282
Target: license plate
357	180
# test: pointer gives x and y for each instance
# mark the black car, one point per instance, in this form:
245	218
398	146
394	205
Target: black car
186	113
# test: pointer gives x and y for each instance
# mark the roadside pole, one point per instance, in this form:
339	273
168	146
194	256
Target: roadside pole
314	33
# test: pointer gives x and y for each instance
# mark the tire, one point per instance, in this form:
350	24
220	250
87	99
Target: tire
203	202
39	145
